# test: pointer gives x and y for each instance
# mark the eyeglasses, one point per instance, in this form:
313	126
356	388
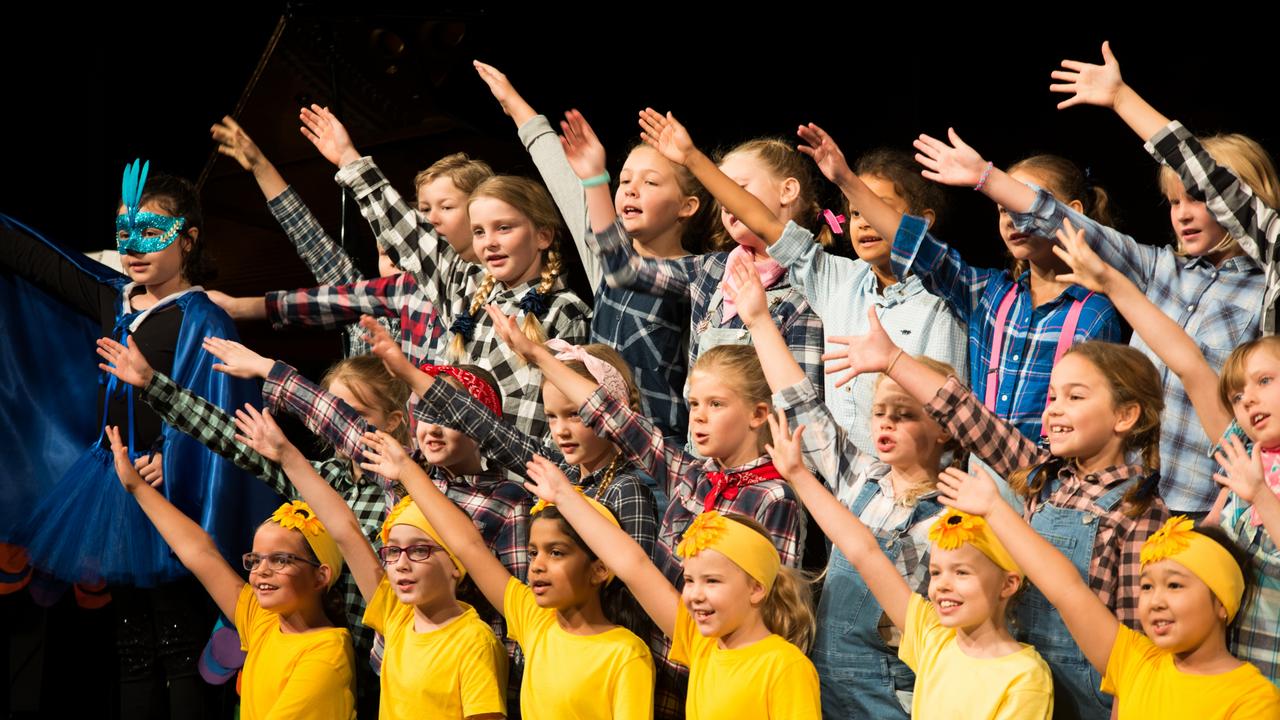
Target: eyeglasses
278	561
417	553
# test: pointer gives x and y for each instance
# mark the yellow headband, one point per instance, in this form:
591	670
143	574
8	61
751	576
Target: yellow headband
406	512
297	515
543	505
745	547
1213	564
956	528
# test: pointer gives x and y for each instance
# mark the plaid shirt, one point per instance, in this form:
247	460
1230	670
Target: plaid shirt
627	497
327	261
216	430
1031	333
1254	224
698	277
449	283
1218	306
1115	567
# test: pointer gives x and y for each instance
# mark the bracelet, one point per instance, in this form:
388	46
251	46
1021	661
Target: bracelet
601	179
986	173
889	368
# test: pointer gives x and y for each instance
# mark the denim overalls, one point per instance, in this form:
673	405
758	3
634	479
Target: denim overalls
1076	692
860	675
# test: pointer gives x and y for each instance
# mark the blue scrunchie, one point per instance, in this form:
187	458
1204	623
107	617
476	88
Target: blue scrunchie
464	325
534	303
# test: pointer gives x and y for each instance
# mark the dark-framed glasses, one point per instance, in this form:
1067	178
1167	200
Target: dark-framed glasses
417	553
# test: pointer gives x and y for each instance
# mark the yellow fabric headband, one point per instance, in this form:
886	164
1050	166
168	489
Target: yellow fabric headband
406	512
297	515
543	505
745	547
1213	564
956	528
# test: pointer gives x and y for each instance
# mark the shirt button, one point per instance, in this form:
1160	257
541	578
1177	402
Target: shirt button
1015	358
1191	308
1004	397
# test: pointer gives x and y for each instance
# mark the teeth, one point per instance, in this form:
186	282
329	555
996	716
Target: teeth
948	603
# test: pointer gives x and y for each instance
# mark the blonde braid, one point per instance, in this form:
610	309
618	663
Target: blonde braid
531	325
461	331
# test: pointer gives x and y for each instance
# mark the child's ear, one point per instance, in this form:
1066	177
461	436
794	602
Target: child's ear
323	573
759	415
929	216
599	573
1012	582
758	593
544	237
789	191
689	207
395	419
1127	416
1077	206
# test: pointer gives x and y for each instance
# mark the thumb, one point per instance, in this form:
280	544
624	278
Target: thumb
1107	55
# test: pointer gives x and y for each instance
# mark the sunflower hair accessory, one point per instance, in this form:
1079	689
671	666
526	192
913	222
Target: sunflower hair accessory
956	529
1178	541
744	547
297	515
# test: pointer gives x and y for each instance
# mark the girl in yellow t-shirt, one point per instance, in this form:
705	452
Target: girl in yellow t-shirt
409	586
740	622
299	665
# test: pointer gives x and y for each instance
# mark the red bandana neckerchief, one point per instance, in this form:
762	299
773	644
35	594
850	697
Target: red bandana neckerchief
728	484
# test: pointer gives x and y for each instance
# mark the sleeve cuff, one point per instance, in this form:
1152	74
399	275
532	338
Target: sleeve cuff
536	127
791	247
1042	209
1168	136
795	395
597	407
948	398
907	243
356	176
284	204
273	386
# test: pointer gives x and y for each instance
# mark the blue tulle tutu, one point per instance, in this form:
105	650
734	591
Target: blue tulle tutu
89	528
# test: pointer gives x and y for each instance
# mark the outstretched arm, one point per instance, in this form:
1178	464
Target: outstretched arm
1090	621
830	160
193	546
1101	85
618	550
960	165
670	139
236	144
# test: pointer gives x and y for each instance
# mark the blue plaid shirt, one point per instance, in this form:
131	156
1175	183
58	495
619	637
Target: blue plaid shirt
1218	306
1030	335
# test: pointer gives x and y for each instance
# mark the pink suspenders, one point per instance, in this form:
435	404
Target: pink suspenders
1065	339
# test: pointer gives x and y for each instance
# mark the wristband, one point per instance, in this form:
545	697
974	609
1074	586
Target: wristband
601	179
986	173
889	368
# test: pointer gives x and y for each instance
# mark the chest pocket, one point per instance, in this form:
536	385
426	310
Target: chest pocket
711	335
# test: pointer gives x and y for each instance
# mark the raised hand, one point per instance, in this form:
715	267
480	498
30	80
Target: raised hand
384	455
742	286
259	431
1242	470
1087	269
824	152
151	468
787	448
547	480
126	363
582	148
237	360
973	493
666	135
504	92
386	349
1089	84
324	131
236	144
509	331
955	164
129	476
868	353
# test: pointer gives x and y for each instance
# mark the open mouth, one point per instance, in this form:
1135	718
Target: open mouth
946	607
495	260
700	438
265	588
1161	627
630	211
702	616
870	240
884	443
1018	238
1258	419
405	584
1059	430
539	587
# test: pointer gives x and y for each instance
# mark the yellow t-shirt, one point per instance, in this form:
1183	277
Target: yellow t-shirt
292	675
952	685
451	672
576	677
1147	685
767	679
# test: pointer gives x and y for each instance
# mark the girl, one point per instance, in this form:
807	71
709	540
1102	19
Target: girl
893	494
762	185
424	624
659	208
1021	321
1192	584
1206	284
966	662
741	622
1081	493
298	664
61	472
558	619
840	290
514	225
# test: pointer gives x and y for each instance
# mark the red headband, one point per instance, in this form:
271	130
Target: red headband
479	389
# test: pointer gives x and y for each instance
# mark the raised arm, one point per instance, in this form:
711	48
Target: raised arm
830	161
193	546
236	144
959	165
842	527
259	431
1089	620
618	550
671	139
742	285
1101	85
386	457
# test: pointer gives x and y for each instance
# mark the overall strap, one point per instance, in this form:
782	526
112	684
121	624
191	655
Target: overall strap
997	341
1066	338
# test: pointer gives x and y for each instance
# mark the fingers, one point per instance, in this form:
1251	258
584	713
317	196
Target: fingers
955	139
1077	65
113	436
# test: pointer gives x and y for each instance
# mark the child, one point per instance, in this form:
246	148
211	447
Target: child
1081	492
893	494
840	290
1192	585
577	662
741	622
1022	321
659	208
966	662
412	602
298	664
443	189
